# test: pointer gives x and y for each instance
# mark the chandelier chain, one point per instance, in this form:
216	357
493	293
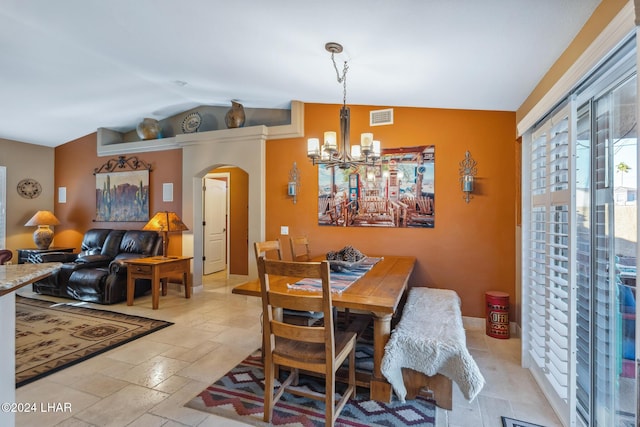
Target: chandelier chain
341	79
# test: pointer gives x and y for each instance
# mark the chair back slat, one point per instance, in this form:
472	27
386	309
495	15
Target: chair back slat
300	248
267	247
311	270
304	334
295	302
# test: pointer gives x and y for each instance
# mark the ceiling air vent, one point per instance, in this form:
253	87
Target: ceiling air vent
381	117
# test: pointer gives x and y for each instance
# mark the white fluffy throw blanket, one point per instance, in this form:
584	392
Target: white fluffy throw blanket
430	339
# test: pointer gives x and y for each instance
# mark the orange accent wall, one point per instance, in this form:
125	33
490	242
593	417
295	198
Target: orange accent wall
75	162
472	247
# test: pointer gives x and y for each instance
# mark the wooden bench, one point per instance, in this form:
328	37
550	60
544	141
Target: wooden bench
427	350
433	387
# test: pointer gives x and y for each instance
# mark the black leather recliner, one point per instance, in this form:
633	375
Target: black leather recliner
98	273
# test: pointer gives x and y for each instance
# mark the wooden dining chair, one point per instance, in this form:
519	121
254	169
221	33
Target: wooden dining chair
319	348
300	248
268	247
291	316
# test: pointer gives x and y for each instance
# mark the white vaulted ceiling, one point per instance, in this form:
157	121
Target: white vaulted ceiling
71	66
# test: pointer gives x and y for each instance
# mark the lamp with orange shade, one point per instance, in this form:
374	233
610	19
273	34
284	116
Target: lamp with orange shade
165	222
43	235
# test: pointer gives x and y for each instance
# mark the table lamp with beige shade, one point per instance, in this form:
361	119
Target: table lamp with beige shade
165	222
43	235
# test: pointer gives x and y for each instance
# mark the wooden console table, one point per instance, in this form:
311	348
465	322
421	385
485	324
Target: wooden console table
158	269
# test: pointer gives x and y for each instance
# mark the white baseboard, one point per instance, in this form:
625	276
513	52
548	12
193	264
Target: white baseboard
473	323
479	324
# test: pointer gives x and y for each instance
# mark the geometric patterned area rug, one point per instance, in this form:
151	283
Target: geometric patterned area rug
510	422
53	336
239	395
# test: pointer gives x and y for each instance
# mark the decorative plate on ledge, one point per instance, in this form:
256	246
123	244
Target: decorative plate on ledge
191	123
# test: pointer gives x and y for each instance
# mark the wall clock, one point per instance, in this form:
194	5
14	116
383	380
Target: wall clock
29	188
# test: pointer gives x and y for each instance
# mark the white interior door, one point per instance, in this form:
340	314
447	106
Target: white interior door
215	225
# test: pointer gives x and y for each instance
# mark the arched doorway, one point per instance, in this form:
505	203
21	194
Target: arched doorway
244	148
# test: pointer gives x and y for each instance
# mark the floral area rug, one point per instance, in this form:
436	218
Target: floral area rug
239	395
53	336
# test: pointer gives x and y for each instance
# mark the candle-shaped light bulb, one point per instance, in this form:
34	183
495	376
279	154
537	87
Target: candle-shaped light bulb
355	152
313	147
376	148
330	141
366	141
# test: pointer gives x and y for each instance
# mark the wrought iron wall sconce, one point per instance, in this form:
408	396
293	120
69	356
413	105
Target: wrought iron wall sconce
468	171
294	183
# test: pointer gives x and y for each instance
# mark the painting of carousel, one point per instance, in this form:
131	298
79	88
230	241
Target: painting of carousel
398	192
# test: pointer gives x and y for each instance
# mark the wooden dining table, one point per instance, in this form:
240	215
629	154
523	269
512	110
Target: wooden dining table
378	292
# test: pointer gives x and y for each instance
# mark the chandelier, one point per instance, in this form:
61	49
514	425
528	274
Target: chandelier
346	156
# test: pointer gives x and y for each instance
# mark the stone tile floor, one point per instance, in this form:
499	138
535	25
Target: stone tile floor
146	382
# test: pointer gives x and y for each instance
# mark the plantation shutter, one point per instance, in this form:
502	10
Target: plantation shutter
548	253
574	334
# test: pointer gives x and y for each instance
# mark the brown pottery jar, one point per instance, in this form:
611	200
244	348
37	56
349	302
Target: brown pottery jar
235	116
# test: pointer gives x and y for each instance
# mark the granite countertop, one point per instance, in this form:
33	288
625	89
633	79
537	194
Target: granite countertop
15	276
